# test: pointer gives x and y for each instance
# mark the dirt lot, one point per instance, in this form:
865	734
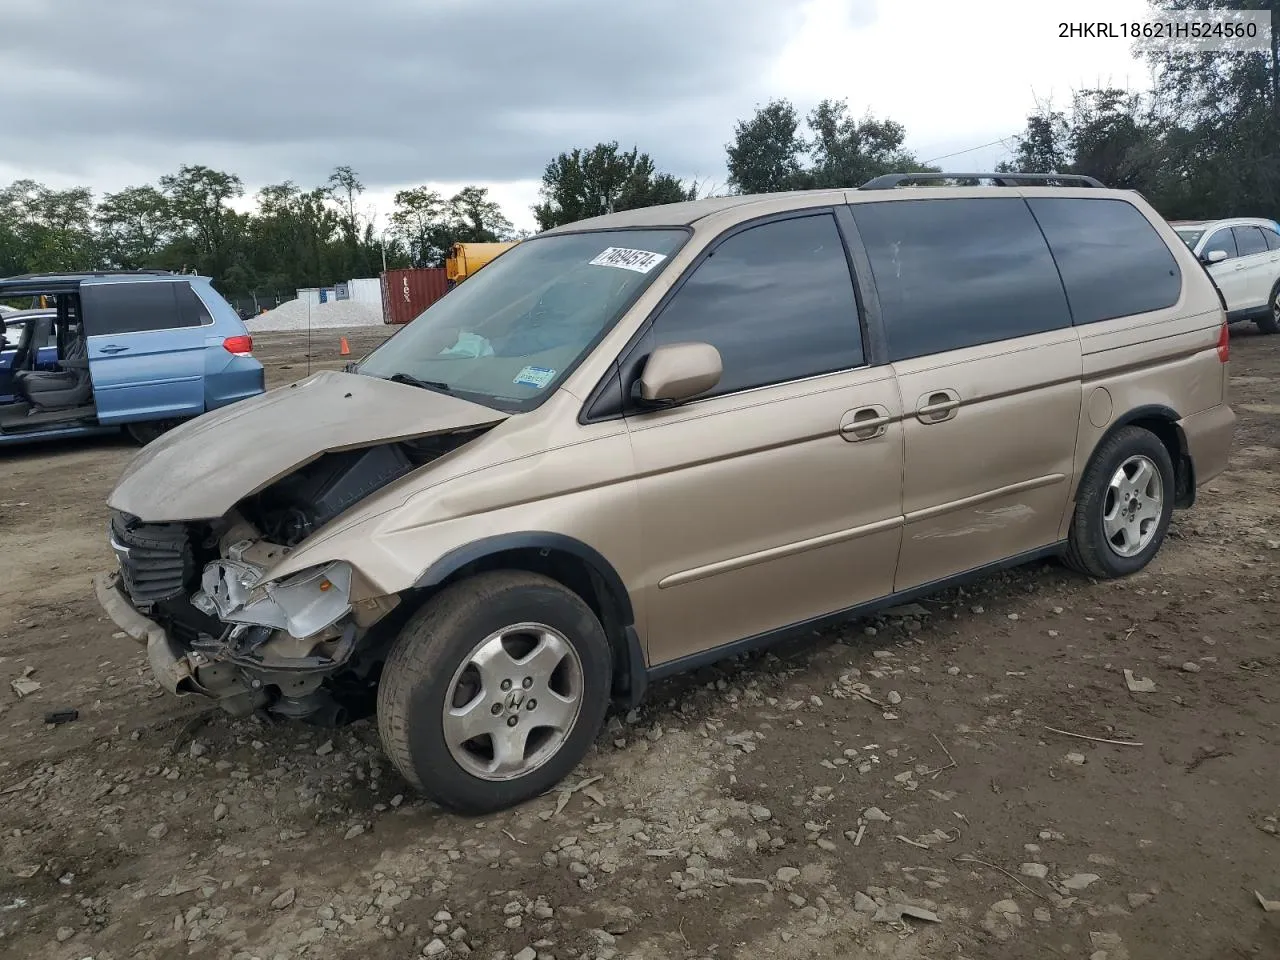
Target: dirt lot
769	807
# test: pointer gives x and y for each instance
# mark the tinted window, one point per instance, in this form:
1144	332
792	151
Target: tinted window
776	300
955	273
112	308
192	308
1272	238
1112	261
1249	240
1222	240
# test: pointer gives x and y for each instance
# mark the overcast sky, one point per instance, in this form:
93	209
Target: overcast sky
110	93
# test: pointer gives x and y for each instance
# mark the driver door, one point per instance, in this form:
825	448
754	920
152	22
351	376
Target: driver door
1230	281
763	505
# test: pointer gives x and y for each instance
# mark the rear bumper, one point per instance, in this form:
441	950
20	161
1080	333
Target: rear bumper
169	665
1208	436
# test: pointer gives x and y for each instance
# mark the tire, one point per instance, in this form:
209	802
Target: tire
1091	548
149	430
432	669
1270	321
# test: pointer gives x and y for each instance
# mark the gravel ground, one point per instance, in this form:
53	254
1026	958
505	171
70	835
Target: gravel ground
890	789
295	315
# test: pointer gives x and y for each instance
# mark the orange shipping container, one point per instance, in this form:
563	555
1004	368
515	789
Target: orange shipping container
406	293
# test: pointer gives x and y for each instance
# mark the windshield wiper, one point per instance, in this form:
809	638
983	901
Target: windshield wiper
413	381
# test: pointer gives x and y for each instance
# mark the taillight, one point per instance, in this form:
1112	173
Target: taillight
240	346
1224	344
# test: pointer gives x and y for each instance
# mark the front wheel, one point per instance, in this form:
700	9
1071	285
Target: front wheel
494	691
1123	507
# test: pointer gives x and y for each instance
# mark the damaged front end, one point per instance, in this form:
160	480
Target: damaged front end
202	597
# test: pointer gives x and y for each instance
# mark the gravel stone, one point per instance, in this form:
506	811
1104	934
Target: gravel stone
1080	881
285	899
787	874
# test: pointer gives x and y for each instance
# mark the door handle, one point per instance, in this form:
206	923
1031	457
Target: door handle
112	348
937	407
866	423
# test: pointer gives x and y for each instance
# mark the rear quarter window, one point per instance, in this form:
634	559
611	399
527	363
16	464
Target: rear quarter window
1249	241
1112	260
1272	238
116	308
959	273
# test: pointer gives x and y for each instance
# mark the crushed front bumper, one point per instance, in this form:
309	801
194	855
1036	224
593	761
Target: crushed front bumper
169	664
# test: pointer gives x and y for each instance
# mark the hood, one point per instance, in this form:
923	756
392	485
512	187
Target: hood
201	469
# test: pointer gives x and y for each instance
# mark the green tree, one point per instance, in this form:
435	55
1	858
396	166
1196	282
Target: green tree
198	197
476	218
429	225
53	228
418	213
771	152
847	153
1042	147
767	151
134	225
601	180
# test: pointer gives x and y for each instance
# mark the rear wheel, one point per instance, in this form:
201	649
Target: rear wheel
1124	505
1270	323
494	691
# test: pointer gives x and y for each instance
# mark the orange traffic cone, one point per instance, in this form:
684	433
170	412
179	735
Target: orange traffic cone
346	348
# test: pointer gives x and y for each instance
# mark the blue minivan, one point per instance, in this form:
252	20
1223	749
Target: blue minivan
141	351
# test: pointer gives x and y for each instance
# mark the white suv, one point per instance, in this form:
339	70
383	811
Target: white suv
1243	257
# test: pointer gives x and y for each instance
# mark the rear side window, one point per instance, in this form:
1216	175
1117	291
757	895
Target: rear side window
1249	240
1113	262
958	273
114	308
1272	238
776	300
190	307
1222	240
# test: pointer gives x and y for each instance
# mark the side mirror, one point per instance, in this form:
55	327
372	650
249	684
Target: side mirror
679	371
1215	256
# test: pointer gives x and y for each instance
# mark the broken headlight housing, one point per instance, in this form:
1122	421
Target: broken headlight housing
303	603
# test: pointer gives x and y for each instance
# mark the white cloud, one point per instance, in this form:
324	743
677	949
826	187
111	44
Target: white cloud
253	95
955	74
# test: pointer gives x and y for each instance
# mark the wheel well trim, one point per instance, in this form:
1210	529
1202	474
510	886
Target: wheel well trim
1149	411
469	553
630	668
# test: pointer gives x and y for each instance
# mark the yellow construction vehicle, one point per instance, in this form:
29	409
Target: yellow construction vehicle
466	258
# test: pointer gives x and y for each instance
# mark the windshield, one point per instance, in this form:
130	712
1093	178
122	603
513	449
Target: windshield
1190	235
508	335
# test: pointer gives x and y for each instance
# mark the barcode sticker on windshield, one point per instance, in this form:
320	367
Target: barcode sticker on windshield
641	261
534	377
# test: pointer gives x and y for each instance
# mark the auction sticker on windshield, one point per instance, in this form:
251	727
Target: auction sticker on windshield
534	377
641	261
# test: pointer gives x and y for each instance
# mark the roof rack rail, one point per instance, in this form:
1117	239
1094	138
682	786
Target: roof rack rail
89	273
890	180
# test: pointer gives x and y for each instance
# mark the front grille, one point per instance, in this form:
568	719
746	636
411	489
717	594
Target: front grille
156	559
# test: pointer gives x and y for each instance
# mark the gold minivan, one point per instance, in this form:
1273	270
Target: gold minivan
650	440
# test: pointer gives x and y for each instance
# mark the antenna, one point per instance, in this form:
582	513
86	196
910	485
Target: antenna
308	336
